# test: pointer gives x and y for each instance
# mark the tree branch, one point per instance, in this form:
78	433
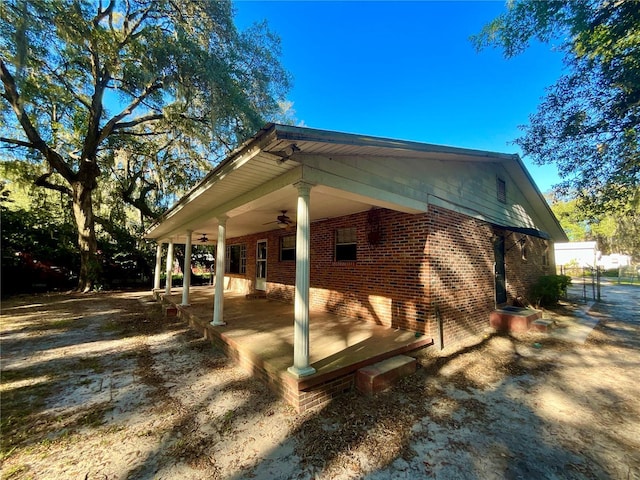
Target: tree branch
42	181
68	86
130	33
15	141
140	202
141	134
102	14
146	118
93	137
13	97
110	125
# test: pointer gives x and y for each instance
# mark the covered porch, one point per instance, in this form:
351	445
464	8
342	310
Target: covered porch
258	334
283	179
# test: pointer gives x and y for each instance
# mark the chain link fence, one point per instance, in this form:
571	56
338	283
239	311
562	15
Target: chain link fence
586	281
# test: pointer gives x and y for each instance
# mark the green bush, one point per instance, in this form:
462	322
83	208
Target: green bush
549	289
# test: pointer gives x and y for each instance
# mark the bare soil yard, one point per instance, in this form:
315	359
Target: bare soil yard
101	386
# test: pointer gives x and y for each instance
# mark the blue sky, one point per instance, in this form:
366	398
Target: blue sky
407	70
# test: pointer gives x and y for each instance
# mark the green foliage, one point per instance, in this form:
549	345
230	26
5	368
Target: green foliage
39	247
570	218
589	121
125	105
549	289
615	232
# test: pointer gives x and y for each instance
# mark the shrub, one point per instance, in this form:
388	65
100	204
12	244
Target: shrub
549	289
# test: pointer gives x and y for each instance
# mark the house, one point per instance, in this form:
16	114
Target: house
587	255
576	254
615	261
412	236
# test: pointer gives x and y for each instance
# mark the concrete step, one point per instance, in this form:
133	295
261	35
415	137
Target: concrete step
541	325
380	376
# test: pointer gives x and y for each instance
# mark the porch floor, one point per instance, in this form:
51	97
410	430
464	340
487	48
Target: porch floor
261	330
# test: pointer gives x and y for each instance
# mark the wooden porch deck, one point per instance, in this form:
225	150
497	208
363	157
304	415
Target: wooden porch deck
259	334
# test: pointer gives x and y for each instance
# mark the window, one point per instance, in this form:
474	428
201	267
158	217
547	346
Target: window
288	247
545	255
501	187
346	245
236	259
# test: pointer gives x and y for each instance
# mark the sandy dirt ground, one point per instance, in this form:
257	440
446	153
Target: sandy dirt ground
101	386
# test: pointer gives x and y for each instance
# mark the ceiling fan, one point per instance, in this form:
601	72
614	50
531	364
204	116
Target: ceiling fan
203	238
283	221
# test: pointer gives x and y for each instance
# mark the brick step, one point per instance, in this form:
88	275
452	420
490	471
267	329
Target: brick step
513	319
380	376
255	295
170	310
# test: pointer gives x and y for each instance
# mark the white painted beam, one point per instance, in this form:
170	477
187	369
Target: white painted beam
186	270
301	367
169	269
218	299
156	272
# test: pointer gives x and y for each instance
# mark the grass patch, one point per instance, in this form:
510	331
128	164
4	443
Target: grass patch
111	327
90	363
63	324
20	416
15	472
95	417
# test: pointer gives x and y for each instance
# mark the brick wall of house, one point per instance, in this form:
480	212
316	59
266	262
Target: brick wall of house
525	263
415	270
461	279
385	284
461	265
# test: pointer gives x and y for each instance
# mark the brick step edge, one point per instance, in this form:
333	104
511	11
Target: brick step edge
541	325
380	376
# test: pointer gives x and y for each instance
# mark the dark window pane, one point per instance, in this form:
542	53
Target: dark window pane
346	252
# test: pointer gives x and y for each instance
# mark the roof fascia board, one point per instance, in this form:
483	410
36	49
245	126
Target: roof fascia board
287	132
526	231
236	159
227	208
547	209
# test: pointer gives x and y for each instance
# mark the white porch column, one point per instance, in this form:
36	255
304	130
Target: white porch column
186	270
218	299
301	367
156	272
167	289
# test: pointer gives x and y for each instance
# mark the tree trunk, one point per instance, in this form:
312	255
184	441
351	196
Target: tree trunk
83	213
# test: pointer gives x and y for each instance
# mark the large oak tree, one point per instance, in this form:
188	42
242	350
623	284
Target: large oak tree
145	93
588	123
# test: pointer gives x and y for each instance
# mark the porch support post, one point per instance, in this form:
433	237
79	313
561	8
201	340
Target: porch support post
156	272
218	299
301	367
167	289
186	270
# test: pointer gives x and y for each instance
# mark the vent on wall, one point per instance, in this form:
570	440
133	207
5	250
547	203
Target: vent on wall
501	187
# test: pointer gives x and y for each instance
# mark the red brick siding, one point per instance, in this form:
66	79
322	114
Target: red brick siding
461	261
422	266
461	273
523	271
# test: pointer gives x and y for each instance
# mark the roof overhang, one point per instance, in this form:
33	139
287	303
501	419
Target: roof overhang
256	182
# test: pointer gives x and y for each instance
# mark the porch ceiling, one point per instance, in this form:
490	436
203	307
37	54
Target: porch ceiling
260	215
